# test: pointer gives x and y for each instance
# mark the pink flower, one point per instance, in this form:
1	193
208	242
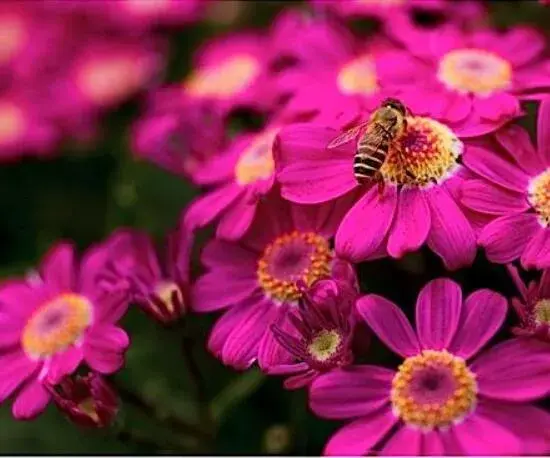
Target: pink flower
474	81
415	208
322	329
54	322
439	401
158	283
256	279
87	400
533	305
513	187
244	174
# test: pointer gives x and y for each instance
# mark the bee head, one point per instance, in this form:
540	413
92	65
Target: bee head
396	105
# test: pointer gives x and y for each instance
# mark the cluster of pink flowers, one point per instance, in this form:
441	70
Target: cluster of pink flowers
293	221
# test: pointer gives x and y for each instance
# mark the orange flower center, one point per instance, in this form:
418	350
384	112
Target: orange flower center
12	36
475	70
56	325
426	152
12	123
358	77
224	80
539	196
256	161
304	256
433	389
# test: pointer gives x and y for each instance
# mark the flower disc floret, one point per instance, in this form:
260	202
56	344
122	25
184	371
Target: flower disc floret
358	77
433	389
304	256
256	162
426	152
539	196
324	345
541	312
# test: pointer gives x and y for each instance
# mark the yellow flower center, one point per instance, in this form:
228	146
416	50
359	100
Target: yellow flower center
539	196
256	161
358	77
56	325
542	311
224	80
433	389
324	345
475	70
292	257
12	123
165	291
426	152
12	36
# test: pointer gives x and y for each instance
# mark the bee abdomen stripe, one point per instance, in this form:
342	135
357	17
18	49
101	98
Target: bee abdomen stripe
364	167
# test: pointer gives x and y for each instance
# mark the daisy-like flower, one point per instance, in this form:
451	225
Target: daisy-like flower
442	399
474	81
533	305
415	207
158	284
52	323
258	279
244	174
322	330
86	400
232	72
514	188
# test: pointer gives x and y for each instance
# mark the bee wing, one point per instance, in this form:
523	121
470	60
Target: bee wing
346	136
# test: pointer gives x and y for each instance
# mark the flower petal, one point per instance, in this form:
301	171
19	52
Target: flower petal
238	218
433	445
411	224
497	107
451	236
15	368
483	313
389	323
58	268
437	313
270	351
404	442
365	226
518	144
31	401
537	251
483	197
514	370
360	437
219	254
505	238
543	131
63	364
104	348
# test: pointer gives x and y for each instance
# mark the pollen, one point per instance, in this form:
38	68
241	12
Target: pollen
256	162
304	256
427	152
475	71
541	312
12	123
325	345
433	389
539	196
228	78
358	77
56	325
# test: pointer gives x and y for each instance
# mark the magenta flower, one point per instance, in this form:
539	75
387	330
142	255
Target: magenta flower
54	322
322	329
513	187
474	81
258	279
409	213
244	174
438	402
87	400
158	283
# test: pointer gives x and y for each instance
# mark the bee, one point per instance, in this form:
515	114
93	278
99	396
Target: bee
384	127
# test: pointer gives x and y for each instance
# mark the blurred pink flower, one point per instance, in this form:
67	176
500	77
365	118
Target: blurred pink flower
438	402
53	322
257	279
474	81
513	188
87	400
158	283
409	213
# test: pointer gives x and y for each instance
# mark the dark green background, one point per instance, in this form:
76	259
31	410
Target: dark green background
84	194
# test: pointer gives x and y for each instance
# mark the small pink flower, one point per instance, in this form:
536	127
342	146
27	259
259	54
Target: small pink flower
439	401
414	209
257	279
513	188
322	329
475	81
87	400
158	283
53	323
243	175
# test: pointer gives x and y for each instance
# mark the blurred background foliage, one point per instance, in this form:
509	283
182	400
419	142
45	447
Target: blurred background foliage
86	193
